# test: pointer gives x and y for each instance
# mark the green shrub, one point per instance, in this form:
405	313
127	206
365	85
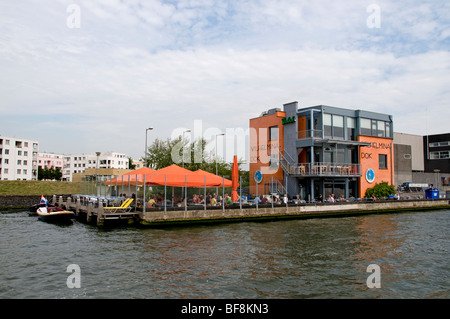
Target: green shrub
380	190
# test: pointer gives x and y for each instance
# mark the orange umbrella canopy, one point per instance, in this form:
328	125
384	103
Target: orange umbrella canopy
234	179
174	175
132	178
213	180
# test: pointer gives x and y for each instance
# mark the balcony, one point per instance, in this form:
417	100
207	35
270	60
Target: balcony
322	169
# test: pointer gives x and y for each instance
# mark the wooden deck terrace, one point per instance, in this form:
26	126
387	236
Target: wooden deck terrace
91	212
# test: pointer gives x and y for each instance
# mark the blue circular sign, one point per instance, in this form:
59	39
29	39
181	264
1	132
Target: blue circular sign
370	175
258	177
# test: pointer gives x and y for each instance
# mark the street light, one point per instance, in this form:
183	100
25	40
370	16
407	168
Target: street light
146	130
187	131
217	188
96	169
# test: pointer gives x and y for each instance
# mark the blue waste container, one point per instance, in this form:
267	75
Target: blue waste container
432	193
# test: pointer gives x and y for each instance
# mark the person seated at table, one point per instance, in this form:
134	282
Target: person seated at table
195	199
152	202
213	200
257	200
264	200
228	200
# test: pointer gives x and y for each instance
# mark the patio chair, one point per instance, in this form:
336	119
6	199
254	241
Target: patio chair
125	206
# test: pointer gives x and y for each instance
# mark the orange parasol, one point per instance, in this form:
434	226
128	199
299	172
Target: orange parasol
174	175
234	179
133	178
213	180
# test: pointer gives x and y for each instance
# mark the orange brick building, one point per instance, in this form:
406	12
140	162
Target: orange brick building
320	150
266	141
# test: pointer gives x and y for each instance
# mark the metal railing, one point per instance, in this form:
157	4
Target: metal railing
326	169
309	134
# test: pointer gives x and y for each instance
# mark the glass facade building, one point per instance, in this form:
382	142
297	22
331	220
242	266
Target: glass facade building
329	150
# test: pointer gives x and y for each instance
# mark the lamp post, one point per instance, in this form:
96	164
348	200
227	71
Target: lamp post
217	188
96	171
146	130
437	177
187	131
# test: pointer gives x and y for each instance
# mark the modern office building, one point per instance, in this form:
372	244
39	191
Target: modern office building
18	158
320	150
79	163
422	159
437	151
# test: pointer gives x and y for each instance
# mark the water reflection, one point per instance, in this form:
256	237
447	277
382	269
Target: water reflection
315	258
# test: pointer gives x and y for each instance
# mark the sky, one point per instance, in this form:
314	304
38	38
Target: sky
81	76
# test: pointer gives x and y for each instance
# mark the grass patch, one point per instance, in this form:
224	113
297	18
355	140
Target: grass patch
38	187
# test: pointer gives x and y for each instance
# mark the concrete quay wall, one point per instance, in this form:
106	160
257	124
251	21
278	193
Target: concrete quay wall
279	212
18	201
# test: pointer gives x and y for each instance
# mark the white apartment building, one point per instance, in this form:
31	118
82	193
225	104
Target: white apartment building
79	163
18	158
47	160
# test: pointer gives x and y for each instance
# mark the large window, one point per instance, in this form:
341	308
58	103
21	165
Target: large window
338	126
440	155
327	125
365	127
351	126
383	161
381	132
273	133
333	126
375	128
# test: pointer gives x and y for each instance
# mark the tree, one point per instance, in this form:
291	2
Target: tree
131	165
49	173
380	190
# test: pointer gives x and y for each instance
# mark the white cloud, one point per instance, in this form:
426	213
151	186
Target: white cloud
136	64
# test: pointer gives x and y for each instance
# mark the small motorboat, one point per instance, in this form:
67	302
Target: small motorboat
32	211
54	214
43	203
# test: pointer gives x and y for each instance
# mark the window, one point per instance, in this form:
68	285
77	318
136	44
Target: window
381	129
438	144
273	162
327	125
273	133
338	126
388	129
374	128
440	155
6	152
351	128
333	126
383	161
365	127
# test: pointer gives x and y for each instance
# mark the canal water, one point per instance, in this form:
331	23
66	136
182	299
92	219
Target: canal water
313	258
